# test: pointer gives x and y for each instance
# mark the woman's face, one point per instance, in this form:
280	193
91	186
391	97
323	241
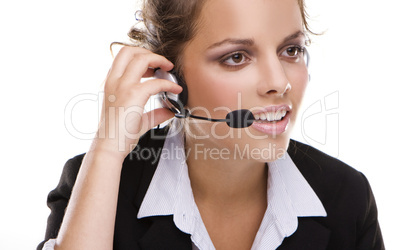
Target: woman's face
246	55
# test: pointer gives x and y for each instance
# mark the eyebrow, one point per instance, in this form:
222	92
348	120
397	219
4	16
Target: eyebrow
250	42
294	36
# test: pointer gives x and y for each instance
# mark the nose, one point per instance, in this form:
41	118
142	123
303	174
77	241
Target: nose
273	79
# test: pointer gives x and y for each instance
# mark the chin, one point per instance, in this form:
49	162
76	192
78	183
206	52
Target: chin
261	150
273	150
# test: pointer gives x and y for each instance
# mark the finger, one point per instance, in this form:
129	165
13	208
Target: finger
140	64
122	58
154	118
141	59
153	87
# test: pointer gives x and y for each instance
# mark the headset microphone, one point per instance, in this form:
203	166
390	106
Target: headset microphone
241	118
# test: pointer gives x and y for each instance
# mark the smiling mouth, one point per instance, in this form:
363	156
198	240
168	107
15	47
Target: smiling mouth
273	120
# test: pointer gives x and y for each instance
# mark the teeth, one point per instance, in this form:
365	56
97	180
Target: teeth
270	116
280	114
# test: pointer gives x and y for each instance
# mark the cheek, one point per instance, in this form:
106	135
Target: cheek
298	81
215	91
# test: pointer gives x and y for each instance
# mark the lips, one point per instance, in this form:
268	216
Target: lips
272	120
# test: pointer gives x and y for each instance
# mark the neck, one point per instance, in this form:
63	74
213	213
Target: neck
225	182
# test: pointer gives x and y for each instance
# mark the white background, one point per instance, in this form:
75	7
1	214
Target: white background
52	51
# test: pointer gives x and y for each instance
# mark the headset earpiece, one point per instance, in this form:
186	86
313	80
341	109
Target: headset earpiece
171	101
307	62
183	96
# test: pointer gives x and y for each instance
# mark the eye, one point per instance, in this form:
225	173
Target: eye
294	51
235	59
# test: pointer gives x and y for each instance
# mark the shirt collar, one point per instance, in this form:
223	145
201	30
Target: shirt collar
169	193
289	197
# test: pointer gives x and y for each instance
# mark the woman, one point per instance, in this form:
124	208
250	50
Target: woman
200	184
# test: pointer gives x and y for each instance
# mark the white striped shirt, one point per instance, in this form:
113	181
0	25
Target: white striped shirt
170	193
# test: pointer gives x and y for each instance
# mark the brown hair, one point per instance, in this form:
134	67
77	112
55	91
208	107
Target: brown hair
170	24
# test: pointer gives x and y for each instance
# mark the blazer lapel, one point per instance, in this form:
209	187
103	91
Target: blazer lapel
163	234
309	235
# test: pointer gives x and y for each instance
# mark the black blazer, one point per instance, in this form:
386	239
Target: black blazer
351	221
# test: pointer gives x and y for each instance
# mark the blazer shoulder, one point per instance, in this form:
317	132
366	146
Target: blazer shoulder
346	195
328	176
310	160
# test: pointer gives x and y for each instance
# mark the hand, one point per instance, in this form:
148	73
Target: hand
122	120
